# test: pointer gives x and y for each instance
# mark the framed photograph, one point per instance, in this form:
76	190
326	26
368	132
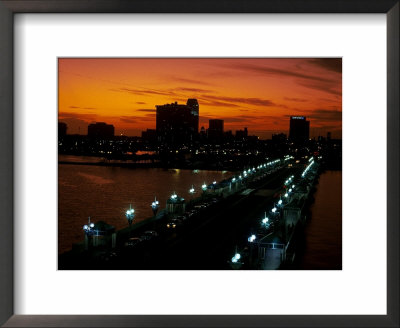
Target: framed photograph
182	165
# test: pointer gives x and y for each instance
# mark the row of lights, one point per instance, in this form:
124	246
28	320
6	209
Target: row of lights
308	167
265	220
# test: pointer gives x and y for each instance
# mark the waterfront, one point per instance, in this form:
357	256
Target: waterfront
323	232
104	193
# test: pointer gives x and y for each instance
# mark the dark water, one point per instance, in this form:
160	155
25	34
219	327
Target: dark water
323	233
104	193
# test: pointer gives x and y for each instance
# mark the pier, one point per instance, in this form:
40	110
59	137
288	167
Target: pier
204	232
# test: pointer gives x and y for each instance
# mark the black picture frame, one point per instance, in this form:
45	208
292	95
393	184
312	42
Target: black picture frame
10	7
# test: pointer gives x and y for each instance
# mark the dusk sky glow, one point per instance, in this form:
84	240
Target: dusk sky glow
258	93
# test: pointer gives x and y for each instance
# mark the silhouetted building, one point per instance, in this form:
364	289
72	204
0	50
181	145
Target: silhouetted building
215	130
149	135
328	136
100	130
242	134
228	135
299	129
177	124
279	137
62	129
193	105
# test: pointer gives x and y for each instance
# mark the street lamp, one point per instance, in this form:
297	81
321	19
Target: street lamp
265	220
236	258
88	229
130	214
204	186
154	206
251	239
191	190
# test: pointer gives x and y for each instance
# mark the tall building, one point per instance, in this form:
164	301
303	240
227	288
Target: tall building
176	123
100	130
193	105
215	130
299	129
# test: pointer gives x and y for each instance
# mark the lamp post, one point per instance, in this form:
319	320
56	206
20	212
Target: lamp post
88	229
154	206
191	190
130	214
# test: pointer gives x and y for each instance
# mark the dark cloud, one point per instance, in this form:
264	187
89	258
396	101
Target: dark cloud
230	101
326	115
143	92
216	103
279	72
328	84
127	119
77	107
296	99
195	90
190	81
330	64
146	110
325	87
83	116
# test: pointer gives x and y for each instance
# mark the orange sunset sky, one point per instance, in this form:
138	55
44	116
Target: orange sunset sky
258	93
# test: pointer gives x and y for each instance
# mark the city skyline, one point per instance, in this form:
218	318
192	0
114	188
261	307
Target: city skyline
260	94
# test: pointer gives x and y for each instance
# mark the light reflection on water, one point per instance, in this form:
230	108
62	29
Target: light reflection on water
104	193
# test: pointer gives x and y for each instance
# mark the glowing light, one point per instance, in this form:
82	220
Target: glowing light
280	202
215	182
265	220
251	239
292	186
236	258
234	179
191	190
204	186
92	225
290	190
286	195
274	210
85	227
